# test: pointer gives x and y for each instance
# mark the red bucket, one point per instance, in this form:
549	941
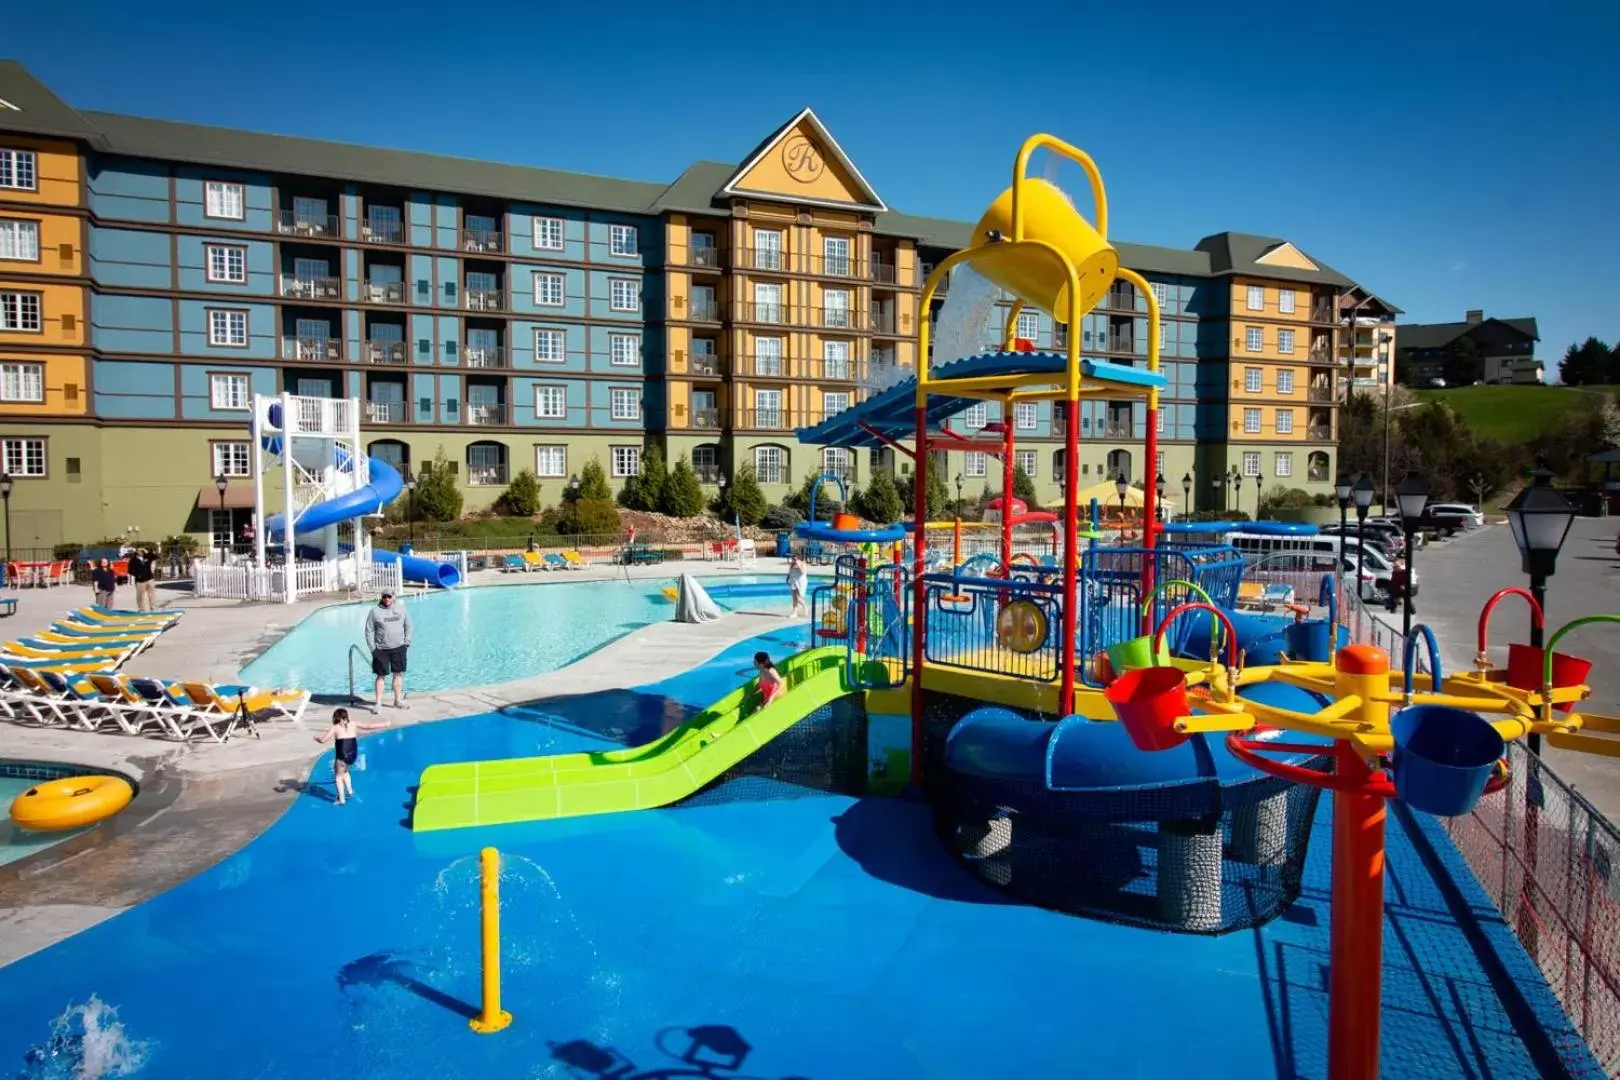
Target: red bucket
1148	702
846	522
1524	670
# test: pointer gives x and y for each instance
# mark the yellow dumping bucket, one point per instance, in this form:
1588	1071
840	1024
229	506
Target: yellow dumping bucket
1037	277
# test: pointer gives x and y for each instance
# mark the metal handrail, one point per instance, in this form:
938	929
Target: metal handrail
353	699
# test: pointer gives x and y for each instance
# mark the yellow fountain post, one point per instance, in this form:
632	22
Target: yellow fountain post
492	1019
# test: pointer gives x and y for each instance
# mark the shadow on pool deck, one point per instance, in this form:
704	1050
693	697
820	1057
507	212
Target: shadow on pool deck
894	841
628	717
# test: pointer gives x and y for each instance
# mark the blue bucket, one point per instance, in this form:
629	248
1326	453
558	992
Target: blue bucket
1443	758
1310	639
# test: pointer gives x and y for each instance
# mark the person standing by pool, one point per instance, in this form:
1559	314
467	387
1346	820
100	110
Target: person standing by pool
388	636
104	581
797	580
141	572
345	735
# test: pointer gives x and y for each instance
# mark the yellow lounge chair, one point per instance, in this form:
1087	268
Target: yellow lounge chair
117	653
535	561
224	699
69	641
103	618
575	560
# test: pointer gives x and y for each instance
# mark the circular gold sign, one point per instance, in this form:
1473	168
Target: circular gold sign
1022	627
802	160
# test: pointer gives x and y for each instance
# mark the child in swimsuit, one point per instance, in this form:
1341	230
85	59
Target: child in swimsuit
771	683
344	734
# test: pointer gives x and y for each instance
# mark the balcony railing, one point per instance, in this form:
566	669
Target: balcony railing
1121	343
387	352
703	364
1320	353
1319	393
703	311
707	474
770	367
1114	429
311	348
486	415
476	240
487	475
1323	313
708	420
382	231
771	314
1318	433
484	356
388	412
884	273
292	223
312	288
768	259
882	322
486	300
837	370
704	258
383	292
764	419
1121	301
834	318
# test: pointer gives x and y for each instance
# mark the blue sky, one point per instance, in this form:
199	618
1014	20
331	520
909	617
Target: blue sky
1448	155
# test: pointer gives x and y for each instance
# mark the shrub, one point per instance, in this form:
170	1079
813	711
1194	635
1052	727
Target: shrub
437	497
593	483
939	496
1024	488
683	495
742	501
588	517
521	498
827	501
646	491
881	501
781	517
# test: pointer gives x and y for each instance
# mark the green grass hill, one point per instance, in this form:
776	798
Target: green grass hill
1514	414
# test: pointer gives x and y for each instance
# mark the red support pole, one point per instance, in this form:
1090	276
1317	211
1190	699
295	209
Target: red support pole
919	593
1071	557
1355	995
1007	467
1150	511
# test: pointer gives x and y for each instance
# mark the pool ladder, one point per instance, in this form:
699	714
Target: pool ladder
364	659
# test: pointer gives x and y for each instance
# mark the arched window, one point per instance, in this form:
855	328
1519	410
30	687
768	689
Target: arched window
1060	457
486	464
839	461
1119	461
772	464
1319	468
706	462
393	452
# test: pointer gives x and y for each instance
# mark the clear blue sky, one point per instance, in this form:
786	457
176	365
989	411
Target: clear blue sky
1448	155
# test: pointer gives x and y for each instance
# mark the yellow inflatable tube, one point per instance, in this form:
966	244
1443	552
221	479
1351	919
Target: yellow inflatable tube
70	803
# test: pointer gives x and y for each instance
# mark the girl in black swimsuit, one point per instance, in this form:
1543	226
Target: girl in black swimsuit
344	734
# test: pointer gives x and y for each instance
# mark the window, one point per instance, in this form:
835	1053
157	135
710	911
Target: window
1257	298
835	256
223	200
1253	380
835	359
624	294
1161	293
624	350
626	461
1285	342
767	249
23	457
839	461
550	346
975	416
1251	463
231	459
1285	421
1025	416
768	408
19	240
1283	465
486	464
1285	304
973	464
548	290
767	303
1025	460
837	301
548	234
228	391
1158	462
17	170
833	404
1158	421
1254	339
228	328
226	263
706	463
21	311
1251	421
1285	382
550	402
768	356
624	404
1029	325
22	382
622	241
770	464
550	461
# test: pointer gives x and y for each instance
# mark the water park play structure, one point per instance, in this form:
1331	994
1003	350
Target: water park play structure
1103	733
329	483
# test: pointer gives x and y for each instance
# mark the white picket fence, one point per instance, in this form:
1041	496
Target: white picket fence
271	584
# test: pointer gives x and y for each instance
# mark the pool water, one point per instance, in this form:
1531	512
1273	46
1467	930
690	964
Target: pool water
18	843
491	634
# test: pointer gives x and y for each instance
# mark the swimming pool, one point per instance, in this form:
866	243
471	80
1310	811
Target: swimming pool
17	777
492	634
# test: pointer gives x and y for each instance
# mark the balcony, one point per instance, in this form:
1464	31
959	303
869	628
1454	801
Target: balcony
770	314
769	367
703	258
1114	429
703	310
883	273
836	370
707	473
311	348
383	230
770	260
706	420
1319	393
1123	300
1121	343
388	412
299	223
703	364
487	475
386	351
836	318
883	322
311	288
484	356
1321	351
764	419
383	292
486	300
487	415
1324	313
480	240
1319	433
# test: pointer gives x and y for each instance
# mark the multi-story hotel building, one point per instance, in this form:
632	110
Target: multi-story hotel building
154	276
1367	344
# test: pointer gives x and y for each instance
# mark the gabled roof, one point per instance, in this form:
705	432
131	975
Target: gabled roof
1368	301
808	117
35	110
1233	253
1439	335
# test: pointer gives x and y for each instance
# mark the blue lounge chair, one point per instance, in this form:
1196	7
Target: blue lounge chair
555	561
514	564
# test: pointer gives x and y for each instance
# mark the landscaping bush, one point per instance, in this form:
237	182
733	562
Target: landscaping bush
646	491
521	498
588	517
827	501
781	517
683	495
437	496
593	485
742	501
881	501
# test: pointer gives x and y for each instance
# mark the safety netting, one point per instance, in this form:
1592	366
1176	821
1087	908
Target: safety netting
823	753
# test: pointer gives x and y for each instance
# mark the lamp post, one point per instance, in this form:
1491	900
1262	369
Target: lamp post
1234	490
1186	492
221	483
1259	481
957	560
5	493
1540	518
1412	495
1158	493
1362	492
1121	486
410	507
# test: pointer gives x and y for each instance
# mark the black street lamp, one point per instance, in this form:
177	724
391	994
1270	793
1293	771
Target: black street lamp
1259	481
1362	492
1234	490
410	506
1121	485
1540	518
959	496
1342	491
221	483
5	493
573	487
1158	491
1186	493
1412	496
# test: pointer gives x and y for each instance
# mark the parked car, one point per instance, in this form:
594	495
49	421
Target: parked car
1386	534
1469	513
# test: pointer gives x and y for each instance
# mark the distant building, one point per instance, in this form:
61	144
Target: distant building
1507	346
1367	346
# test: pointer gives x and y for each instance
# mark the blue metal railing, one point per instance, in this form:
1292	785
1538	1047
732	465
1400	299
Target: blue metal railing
965	633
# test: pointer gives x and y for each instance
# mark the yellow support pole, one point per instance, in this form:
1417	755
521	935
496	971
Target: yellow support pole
492	1019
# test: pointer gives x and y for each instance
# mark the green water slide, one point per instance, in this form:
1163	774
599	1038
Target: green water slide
658	773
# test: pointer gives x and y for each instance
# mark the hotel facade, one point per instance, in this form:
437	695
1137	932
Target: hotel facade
154	276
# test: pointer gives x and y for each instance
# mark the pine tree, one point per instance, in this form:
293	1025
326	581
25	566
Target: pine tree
881	501
1024	488
742	502
646	491
521	498
437	498
683	495
939	496
593	482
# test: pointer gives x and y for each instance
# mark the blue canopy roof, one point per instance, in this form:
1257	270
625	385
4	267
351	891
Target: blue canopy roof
891	414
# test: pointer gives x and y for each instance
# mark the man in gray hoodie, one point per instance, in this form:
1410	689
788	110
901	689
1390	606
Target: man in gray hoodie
388	635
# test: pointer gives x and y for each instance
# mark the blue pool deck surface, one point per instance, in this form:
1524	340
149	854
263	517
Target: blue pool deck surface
808	936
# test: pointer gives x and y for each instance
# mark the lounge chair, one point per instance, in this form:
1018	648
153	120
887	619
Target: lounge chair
287	704
76	641
555	561
177	717
105	617
90	633
113	690
39	702
533	561
89	709
514	564
113	655
575	560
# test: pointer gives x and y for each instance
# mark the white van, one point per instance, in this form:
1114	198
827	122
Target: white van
1327	553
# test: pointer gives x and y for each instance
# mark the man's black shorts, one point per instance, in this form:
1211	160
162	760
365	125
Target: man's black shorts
388	661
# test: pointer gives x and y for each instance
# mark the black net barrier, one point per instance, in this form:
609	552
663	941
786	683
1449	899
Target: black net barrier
823	753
